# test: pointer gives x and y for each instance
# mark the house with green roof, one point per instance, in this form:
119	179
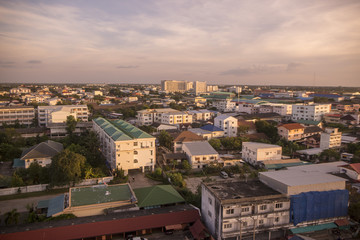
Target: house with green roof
157	196
124	145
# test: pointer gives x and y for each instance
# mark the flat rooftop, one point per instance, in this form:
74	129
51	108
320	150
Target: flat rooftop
257	145
236	190
98	194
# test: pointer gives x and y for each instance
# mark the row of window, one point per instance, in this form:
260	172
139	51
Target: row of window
245	223
247	209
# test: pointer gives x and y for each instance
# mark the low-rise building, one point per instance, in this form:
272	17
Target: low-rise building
184	137
150	116
330	138
59	113
256	153
202	114
351	170
174	118
21	114
200	154
41	153
125	146
291	131
228	124
236	209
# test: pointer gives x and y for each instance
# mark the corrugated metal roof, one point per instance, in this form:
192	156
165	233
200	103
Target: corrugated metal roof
56	205
211	128
46	149
313	228
200	148
18	163
157	195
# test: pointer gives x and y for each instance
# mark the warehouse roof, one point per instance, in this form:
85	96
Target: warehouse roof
292	126
211	128
46	149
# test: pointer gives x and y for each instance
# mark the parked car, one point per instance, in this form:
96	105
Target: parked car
232	175
223	174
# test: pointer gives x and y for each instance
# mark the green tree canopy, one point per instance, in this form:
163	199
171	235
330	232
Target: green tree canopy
165	139
66	168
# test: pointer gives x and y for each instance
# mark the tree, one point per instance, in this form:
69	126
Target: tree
329	155
66	168
186	165
215	143
35	172
70	124
269	130
12	217
165	139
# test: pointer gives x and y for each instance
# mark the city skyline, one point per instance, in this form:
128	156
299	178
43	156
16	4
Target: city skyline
230	42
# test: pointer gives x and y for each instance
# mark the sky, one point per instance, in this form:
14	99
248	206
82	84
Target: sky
257	42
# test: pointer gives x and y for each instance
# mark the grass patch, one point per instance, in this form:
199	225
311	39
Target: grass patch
34	194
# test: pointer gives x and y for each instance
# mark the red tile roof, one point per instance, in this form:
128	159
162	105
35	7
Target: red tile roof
356	167
188	136
107	227
291	126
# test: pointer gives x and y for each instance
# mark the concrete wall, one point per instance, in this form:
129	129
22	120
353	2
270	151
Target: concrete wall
276	185
293	190
42	187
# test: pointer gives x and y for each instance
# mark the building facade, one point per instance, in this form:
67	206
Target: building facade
59	113
312	112
291	131
200	87
330	138
200	154
175	86
255	153
125	146
228	124
10	115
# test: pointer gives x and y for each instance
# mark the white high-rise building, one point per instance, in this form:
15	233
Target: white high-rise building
175	86
228	124
313	112
331	138
200	87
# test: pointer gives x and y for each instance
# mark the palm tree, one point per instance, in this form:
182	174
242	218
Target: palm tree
12	217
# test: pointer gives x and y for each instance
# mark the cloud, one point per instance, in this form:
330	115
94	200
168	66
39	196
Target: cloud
293	66
129	66
7	64
34	62
255	69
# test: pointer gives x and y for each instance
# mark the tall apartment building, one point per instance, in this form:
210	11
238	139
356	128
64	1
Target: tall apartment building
59	113
176	86
125	146
228	124
9	115
313	112
162	115
212	88
256	153
236	209
200	87
330	138
235	89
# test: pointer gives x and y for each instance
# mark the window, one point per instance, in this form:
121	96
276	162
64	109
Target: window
135	152
210	201
261	221
230	211
245	209
135	144
151	152
227	225
151	160
278	205
277	219
244	224
263	207
135	161
209	213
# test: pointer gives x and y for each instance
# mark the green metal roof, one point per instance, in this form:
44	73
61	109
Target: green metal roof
18	163
56	205
157	195
308	122
81	196
313	228
120	130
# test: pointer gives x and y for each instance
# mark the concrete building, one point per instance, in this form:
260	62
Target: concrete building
236	209
59	129
59	113
150	116
224	105
10	115
228	124
256	153
175	86
202	114
312	112
330	138
351	170
200	87
235	89
41	153
184	137
125	146
291	131
212	88
20	90
176	118
200	154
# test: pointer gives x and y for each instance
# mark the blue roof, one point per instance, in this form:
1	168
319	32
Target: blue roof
211	128
56	205
18	163
325	95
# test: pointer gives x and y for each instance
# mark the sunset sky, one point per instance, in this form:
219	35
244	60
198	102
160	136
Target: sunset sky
255	42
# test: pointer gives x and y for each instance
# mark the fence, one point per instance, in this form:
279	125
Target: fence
43	187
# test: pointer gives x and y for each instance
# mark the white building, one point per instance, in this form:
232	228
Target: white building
176	86
212	88
10	115
256	153
235	89
200	154
125	146
59	113
228	124
19	90
202	114
236	209
224	105
162	115
330	138
200	87
313	112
